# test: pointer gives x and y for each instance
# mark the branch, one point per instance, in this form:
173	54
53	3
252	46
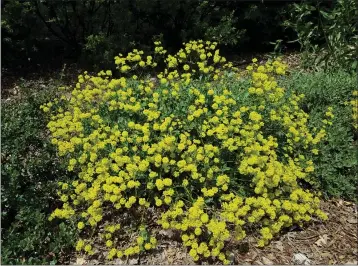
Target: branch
49	26
80	19
64	31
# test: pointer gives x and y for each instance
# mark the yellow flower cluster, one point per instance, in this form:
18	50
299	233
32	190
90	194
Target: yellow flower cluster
185	146
134	58
354	104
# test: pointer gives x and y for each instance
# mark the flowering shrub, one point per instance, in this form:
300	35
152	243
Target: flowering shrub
210	156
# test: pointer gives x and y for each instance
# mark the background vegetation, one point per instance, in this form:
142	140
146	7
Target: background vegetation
336	171
96	30
29	175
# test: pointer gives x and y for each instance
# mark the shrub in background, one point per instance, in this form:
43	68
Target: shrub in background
336	165
328	35
29	175
21	31
93	30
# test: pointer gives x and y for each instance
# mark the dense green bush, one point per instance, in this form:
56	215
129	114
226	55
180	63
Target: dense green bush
327	32
29	174
336	171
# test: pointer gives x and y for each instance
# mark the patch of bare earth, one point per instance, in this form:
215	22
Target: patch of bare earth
331	242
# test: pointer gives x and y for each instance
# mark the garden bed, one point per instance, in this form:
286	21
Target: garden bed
331	242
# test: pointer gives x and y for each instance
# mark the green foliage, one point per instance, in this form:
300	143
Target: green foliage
337	164
29	176
225	32
328	35
20	31
95	30
32	240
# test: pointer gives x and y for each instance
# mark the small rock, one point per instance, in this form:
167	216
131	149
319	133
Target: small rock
231	258
322	241
279	246
80	261
352	220
154	80
266	261
133	261
301	259
271	256
119	262
169	233
351	263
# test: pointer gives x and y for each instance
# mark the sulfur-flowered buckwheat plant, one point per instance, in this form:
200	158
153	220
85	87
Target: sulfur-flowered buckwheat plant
197	152
354	104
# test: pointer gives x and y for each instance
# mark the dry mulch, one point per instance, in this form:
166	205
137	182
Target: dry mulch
331	242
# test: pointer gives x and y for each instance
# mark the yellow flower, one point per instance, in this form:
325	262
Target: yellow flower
202	56
186	67
88	248
158	202
204	218
80	225
140	240
315	151
109	243
254	116
80	245
197	231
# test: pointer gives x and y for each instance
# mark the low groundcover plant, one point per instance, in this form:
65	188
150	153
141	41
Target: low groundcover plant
197	150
